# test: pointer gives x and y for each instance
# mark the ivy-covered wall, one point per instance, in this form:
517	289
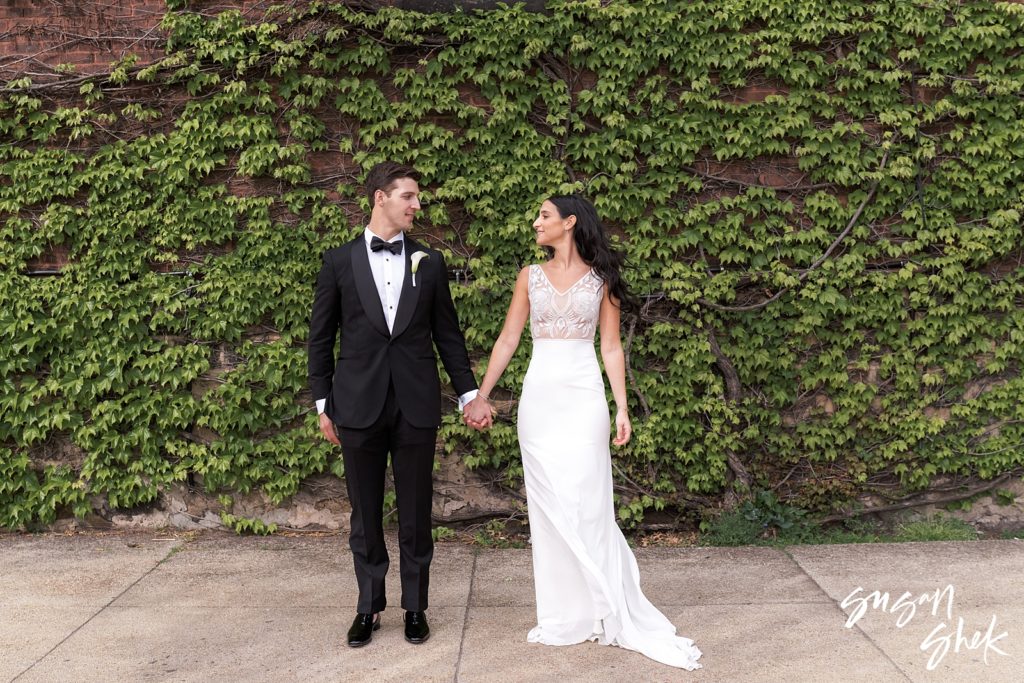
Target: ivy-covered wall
821	202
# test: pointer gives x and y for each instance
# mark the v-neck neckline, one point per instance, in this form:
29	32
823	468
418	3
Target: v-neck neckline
571	287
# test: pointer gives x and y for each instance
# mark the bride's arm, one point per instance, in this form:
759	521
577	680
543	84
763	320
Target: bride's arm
478	412
508	341
615	366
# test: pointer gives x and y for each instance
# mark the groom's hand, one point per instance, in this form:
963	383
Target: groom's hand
477	414
327	429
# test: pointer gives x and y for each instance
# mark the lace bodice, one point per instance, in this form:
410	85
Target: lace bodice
572	314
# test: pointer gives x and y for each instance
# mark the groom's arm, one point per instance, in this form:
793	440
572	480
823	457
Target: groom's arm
323	331
448	337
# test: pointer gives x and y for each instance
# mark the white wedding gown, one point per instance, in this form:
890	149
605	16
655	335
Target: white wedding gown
586	578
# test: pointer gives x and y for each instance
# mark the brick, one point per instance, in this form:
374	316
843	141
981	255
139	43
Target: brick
773	179
326	162
38	28
754	93
54	258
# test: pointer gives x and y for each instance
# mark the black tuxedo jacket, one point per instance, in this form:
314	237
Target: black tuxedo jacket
356	383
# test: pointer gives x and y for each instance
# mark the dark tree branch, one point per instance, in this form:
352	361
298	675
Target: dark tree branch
821	259
629	369
919	501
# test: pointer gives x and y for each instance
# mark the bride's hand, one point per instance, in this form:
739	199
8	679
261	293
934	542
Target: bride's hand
478	414
623	428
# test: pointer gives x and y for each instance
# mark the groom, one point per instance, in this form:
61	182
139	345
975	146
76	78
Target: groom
389	298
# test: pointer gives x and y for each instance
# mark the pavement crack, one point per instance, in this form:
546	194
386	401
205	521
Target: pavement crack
170	553
906	676
465	619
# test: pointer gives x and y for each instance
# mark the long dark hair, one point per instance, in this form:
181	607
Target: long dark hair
593	245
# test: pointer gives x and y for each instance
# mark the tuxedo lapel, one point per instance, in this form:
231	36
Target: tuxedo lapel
410	295
367	290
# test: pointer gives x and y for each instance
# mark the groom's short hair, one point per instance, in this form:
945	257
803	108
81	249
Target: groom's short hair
383	177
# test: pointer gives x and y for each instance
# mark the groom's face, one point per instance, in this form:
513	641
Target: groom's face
399	205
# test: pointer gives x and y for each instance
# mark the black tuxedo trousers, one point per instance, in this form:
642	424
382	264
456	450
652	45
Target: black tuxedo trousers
383	395
365	452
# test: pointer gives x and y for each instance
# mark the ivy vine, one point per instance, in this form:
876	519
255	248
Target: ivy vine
821	202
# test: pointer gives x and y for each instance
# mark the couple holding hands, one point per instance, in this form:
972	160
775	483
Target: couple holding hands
388	298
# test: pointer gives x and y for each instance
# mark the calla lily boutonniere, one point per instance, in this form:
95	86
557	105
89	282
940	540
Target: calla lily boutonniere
416	258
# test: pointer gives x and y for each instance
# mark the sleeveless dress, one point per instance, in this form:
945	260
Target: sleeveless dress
585	576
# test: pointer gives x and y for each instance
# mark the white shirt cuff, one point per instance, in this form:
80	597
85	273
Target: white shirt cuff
321	405
467	397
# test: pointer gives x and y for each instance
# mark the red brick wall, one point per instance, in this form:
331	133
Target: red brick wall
38	35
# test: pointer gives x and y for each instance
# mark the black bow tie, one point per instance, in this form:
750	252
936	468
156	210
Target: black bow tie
376	244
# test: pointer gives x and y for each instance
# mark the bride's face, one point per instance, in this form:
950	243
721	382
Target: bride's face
551	228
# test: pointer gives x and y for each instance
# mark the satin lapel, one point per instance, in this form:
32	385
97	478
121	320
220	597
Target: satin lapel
410	295
367	290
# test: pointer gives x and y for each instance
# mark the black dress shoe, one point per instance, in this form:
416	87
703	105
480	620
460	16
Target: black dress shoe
362	629
416	629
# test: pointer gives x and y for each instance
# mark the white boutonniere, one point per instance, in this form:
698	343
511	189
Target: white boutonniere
416	258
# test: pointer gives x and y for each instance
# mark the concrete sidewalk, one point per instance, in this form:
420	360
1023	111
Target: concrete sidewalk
165	607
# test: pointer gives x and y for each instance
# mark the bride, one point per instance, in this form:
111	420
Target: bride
585	576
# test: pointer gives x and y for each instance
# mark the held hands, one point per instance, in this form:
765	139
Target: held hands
327	429
478	413
623	428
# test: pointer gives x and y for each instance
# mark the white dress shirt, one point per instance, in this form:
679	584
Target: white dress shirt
389	275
